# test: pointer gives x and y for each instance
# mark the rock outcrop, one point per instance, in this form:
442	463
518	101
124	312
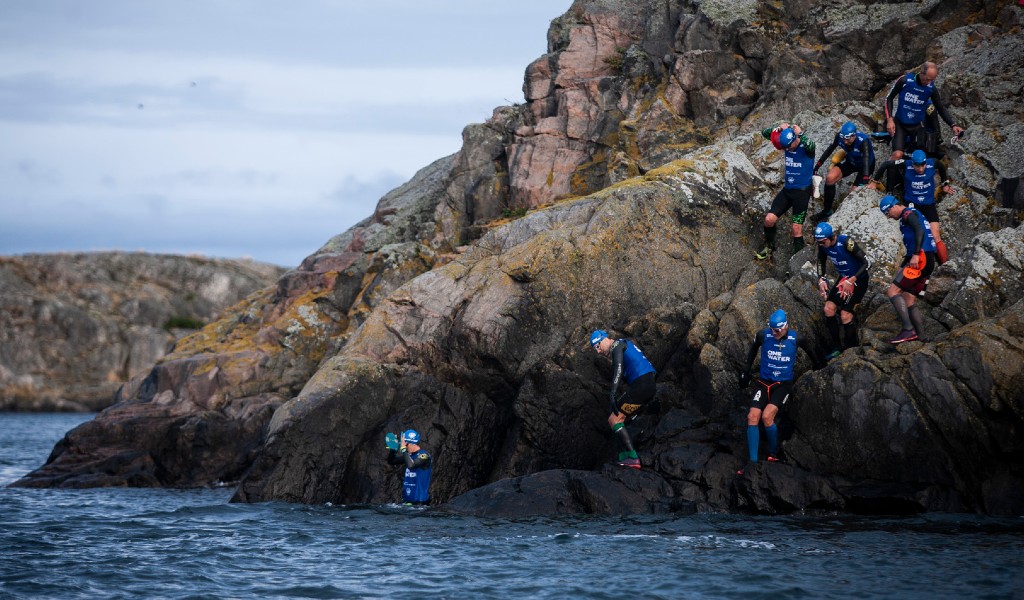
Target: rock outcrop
637	163
75	327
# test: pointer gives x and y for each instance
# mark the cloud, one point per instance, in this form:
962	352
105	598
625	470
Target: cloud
265	129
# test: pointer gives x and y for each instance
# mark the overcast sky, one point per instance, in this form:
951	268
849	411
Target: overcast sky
238	129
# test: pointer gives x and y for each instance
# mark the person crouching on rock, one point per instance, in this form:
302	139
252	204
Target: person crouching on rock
418	468
778	344
855	155
628	363
912	276
852	265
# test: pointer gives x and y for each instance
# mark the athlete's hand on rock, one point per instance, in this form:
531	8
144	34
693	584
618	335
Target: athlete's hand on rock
823	288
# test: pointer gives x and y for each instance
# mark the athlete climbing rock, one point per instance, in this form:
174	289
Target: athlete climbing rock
630	365
854	276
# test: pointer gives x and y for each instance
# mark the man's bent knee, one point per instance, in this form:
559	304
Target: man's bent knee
753	416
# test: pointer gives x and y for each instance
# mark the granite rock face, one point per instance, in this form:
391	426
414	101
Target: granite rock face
75	327
627	194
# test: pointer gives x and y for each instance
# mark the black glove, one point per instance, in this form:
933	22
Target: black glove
744	379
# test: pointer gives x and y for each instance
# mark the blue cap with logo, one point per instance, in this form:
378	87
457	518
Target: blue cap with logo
848	129
822	231
778	319
597	337
411	436
786	137
918	157
886	203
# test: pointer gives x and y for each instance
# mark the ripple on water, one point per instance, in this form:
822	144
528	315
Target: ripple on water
193	543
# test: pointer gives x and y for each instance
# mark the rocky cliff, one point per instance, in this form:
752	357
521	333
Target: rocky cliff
627	194
75	327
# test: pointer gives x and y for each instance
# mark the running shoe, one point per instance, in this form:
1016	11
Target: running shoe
763	253
633	463
821	216
774	459
832	355
907	335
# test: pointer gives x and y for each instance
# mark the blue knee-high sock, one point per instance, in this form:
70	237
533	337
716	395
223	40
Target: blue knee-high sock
753	437
773	438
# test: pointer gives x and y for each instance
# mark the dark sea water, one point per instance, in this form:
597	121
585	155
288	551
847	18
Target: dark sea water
128	543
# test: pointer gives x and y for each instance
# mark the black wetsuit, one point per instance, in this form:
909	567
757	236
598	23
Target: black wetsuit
852	263
418	468
847	166
902	129
630	365
894	171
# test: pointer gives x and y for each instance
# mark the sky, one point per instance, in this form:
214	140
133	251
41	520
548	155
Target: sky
234	129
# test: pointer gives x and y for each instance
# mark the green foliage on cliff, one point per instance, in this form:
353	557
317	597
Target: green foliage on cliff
183	322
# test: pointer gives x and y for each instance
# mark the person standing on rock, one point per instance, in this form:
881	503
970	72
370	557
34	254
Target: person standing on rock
418	467
851	152
852	265
912	276
796	191
919	189
778	345
629	364
912	93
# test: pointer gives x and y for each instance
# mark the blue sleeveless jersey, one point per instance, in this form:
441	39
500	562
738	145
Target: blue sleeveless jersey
844	262
854	156
920	189
913	99
634	363
799	168
778	356
928	245
416	483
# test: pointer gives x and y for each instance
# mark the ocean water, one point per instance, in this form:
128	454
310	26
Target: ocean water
131	543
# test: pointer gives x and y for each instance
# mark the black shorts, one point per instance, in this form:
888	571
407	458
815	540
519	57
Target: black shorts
900	137
920	138
639	393
770	392
848	169
930	211
860	287
795	198
916	285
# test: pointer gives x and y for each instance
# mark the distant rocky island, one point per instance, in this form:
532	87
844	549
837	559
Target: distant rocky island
627	193
75	327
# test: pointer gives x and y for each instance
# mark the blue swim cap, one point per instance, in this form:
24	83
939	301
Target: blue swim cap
778	319
597	336
886	203
848	129
411	436
786	137
822	231
918	157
